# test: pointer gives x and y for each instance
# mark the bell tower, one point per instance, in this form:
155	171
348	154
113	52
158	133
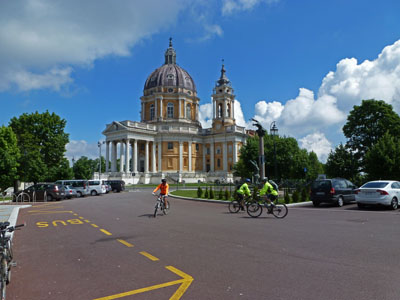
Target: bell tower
223	100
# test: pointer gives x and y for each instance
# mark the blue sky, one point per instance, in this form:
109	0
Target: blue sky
303	64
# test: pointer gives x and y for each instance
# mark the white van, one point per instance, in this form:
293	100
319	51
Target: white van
80	185
96	187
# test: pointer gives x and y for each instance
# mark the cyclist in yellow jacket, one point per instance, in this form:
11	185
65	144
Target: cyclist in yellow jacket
243	190
269	191
164	189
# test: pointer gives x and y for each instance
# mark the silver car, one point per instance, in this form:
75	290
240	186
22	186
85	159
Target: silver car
381	192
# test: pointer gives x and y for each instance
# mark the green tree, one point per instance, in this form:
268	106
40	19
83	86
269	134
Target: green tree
248	152
84	168
9	154
383	160
367	123
315	167
211	195
199	192
206	193
341	163
41	140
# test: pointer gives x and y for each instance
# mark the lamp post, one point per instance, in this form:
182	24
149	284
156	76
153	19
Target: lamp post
273	130
261	157
99	143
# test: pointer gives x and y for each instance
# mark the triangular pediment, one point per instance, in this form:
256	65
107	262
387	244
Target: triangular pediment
114	126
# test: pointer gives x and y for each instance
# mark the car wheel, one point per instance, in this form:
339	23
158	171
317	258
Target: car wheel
49	198
394	204
360	205
315	203
93	193
340	201
79	194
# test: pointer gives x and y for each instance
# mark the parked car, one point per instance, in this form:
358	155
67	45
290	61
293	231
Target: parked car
116	185
45	192
80	185
382	192
108	186
70	192
96	187
336	191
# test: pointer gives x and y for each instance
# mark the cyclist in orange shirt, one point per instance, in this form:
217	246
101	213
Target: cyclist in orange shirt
164	188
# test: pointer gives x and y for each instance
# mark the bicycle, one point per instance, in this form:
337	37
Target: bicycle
6	256
161	204
235	205
278	210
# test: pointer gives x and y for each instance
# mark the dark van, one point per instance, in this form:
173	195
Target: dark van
336	191
116	185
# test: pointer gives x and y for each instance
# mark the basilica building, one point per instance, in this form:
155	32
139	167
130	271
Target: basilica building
169	141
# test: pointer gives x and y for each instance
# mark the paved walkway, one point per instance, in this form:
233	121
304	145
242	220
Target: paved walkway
10	213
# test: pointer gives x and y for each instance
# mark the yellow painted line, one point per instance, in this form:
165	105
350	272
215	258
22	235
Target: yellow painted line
125	243
81	217
105	232
87	221
184	284
76	215
149	256
94	225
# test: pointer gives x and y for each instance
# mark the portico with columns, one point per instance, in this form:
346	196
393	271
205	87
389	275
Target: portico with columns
169	141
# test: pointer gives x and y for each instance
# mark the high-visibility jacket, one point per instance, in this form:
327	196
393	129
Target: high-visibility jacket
163	188
268	188
244	190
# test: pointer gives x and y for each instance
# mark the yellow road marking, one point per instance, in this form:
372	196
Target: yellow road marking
75	214
94	225
185	283
125	243
105	232
149	256
39	212
81	217
87	221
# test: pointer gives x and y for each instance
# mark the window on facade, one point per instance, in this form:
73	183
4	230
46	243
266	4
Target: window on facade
218	150
188	111
218	163
197	147
185	162
141	146
230	148
208	150
220	111
228	113
170	145
170	110
170	164
152	112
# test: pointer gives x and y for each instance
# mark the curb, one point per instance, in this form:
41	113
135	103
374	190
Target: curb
13	217
307	203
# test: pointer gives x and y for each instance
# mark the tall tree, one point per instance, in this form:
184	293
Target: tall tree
41	141
383	160
9	154
367	123
341	163
84	168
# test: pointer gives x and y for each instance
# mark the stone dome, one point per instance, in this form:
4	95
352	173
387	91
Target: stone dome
170	74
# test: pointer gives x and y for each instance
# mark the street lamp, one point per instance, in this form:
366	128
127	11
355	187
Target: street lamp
273	130
99	143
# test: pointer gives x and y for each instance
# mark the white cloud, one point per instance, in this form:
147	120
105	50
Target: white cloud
205	115
43	41
318	143
76	149
232	6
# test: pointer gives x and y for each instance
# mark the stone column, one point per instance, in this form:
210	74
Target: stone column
180	108
161	107
155	109
113	156
212	156
233	109
204	157
159	156
180	156
135	156
190	155
127	169
184	109
213	107
225	156
146	160
235	156
121	157
153	158
107	156
142	112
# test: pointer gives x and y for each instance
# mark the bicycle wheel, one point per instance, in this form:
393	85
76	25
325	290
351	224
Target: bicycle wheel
3	279
280	210
165	208
234	206
254	209
155	210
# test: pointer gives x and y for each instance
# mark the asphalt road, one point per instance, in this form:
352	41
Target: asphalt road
111	247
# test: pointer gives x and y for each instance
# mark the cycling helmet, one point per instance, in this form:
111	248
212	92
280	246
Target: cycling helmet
247	180
164	180
265	179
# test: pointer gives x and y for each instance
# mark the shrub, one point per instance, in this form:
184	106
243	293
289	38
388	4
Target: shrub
206	193
304	194
227	195
255	193
199	192
211	196
220	195
286	196
295	196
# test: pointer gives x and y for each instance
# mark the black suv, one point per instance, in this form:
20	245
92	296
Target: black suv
337	191
45	192
116	185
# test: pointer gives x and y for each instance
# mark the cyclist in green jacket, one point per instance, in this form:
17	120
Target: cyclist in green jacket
269	191
243	190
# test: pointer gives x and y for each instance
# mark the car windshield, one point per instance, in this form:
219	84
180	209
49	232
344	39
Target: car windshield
375	185
321	184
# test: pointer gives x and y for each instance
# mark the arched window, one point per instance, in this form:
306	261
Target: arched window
228	112
170	110
220	111
152	112
188	111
